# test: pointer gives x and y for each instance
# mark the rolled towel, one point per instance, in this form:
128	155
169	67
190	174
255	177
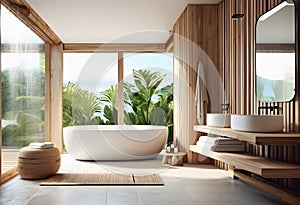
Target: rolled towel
41	145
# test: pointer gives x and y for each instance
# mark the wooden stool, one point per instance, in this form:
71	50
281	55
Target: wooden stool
35	163
176	158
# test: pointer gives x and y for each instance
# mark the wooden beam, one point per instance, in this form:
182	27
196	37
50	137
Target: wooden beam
120	88
111	47
275	47
169	44
22	10
56	107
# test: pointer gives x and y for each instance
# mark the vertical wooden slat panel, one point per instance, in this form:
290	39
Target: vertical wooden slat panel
221	48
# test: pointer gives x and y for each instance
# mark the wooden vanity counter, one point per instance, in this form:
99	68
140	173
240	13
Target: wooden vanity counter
282	138
256	164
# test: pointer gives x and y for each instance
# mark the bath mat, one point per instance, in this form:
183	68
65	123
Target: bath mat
102	179
153	179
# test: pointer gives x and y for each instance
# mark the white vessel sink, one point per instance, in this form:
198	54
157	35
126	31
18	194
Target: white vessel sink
257	123
218	119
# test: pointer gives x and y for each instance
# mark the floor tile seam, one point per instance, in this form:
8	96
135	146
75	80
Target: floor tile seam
33	195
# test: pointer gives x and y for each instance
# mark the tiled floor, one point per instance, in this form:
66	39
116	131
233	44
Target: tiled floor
195	185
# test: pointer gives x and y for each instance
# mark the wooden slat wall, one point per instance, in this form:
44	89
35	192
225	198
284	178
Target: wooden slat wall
235	61
195	31
239	80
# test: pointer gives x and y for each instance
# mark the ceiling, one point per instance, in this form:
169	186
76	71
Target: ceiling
112	21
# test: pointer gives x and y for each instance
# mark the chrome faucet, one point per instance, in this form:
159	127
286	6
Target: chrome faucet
224	107
271	108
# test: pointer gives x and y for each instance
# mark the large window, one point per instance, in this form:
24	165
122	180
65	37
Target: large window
23	87
90	88
148	89
90	93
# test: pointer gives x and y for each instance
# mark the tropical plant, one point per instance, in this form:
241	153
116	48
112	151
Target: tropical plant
27	129
148	104
110	96
165	102
80	106
22	91
139	96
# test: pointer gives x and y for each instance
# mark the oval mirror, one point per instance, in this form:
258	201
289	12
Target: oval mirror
275	54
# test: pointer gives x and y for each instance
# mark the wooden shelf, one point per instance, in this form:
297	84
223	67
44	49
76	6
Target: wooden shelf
283	138
259	165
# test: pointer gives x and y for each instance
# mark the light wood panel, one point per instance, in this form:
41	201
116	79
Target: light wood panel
56	83
196	38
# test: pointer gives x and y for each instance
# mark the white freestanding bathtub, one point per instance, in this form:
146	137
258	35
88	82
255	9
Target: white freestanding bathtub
114	142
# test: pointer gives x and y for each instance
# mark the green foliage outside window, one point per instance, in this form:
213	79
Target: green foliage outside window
148	104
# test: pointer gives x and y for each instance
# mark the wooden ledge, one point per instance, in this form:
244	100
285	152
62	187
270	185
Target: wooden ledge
283	138
258	165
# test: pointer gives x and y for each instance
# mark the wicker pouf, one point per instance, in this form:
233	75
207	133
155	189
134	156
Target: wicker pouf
34	163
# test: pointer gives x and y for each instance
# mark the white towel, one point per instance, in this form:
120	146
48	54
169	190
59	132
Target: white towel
222	148
41	145
201	96
219	140
228	148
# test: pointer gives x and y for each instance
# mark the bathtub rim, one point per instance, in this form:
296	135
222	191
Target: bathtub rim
117	127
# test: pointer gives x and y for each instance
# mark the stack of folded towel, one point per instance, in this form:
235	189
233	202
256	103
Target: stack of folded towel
221	144
41	145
